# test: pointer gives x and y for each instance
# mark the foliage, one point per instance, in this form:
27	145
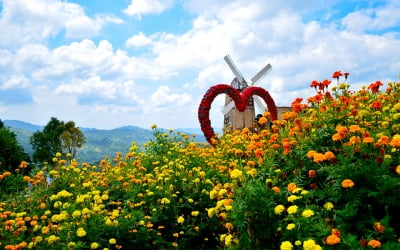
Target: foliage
72	138
12	158
56	137
11	153
325	175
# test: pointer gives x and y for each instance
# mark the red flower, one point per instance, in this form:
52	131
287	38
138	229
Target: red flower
374	87
240	100
312	173
376	105
314	84
337	74
325	83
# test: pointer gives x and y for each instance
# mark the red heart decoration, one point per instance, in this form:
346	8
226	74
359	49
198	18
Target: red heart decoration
239	98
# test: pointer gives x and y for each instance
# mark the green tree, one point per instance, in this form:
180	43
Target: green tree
72	138
56	136
47	143
11	153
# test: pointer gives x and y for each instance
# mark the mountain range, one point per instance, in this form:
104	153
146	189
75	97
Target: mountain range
99	143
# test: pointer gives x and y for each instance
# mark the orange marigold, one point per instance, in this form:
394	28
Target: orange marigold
311	153
383	140
312	173
291	186
276	189
329	155
379	227
368	140
374	243
318	157
347	183
395	142
354	129
332	240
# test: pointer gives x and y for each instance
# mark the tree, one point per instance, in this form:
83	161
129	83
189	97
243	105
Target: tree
72	138
47	143
56	136
11	153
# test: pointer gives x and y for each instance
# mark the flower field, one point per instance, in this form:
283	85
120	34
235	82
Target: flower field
324	176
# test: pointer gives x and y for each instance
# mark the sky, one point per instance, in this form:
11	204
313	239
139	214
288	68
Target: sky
106	64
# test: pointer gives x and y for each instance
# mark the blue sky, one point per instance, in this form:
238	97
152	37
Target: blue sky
105	64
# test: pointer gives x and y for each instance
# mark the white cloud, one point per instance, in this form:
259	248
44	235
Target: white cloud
163	97
37	20
16	81
138	40
373	19
139	7
94	85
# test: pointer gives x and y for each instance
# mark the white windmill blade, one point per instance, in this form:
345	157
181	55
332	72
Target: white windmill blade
234	69
260	103
228	107
260	74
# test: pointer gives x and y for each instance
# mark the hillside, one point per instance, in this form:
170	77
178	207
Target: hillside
99	143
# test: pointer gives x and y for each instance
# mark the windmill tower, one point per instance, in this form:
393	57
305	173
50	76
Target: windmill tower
233	118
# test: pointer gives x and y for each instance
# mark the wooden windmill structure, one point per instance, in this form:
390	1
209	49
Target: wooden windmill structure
233	118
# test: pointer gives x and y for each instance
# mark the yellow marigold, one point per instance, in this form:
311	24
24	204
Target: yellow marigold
80	232
374	243
292	198
328	206
94	245
236	173
307	213
309	244
195	213
279	209
347	183
292	209
52	239
286	245
112	241
211	212
165	201
395	142
180	220
291	226
332	240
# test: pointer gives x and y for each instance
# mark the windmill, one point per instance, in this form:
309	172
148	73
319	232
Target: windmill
232	117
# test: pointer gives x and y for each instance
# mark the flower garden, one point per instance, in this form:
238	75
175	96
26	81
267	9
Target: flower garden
324	176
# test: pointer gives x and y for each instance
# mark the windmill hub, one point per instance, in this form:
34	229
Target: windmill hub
232	117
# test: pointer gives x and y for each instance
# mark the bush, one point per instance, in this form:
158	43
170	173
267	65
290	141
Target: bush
326	175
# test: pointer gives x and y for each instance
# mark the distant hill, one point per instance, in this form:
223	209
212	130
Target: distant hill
22	125
99	143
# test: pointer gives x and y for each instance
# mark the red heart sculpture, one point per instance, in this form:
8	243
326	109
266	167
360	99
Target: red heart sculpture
239	98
